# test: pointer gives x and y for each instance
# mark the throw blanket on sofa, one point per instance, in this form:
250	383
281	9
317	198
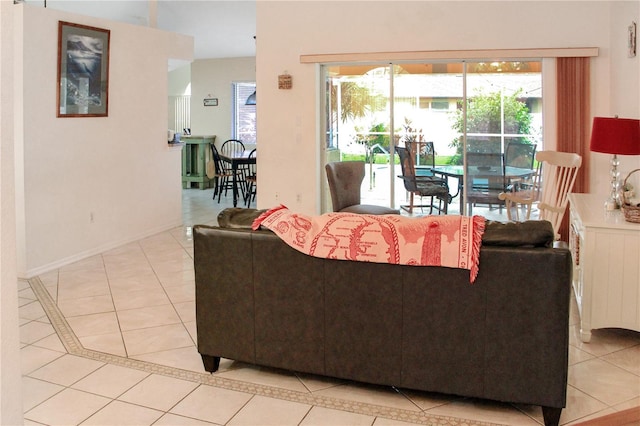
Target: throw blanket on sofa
451	241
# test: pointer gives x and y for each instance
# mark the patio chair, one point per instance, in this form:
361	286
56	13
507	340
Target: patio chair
489	179
423	186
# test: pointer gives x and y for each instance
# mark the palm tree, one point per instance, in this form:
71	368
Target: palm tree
349	101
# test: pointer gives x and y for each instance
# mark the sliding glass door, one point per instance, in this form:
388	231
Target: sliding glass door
500	128
358	125
459	107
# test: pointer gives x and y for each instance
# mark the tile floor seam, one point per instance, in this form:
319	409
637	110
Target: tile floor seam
51	397
164	290
130	403
602	358
116	397
309	412
29	374
239	410
113	303
586	392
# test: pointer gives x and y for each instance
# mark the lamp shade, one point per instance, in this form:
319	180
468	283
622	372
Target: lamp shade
251	100
615	136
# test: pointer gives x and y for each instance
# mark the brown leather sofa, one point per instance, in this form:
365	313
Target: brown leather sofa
503	338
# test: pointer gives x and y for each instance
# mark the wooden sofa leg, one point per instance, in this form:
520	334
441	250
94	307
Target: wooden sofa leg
551	415
211	363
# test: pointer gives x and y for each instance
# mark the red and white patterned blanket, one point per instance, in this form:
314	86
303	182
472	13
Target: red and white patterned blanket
450	241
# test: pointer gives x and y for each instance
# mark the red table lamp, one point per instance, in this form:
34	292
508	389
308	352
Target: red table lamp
615	136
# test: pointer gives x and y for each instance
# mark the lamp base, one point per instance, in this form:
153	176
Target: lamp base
611	204
614	201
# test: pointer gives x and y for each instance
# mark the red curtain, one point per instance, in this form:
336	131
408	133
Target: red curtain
574	126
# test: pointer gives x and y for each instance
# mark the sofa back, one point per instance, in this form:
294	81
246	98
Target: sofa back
505	337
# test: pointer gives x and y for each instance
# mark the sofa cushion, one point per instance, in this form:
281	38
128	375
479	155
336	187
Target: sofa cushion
532	233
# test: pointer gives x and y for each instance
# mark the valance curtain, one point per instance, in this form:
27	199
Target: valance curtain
574	127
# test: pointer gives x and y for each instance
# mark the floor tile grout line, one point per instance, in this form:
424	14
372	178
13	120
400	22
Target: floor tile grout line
113	304
74	347
164	290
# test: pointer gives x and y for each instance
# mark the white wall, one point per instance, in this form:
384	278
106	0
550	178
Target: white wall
289	161
624	93
88	184
180	81
213	78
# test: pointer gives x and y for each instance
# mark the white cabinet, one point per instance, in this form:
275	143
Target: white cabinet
606	256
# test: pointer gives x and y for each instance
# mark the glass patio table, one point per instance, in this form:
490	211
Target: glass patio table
474	172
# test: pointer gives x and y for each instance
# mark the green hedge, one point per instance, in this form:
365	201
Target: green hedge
384	159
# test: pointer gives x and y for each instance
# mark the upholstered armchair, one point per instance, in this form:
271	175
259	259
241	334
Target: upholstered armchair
345	179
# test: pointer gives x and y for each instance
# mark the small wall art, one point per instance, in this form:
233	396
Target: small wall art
285	81
83	71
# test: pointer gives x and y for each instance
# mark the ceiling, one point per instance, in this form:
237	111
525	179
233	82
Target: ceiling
221	29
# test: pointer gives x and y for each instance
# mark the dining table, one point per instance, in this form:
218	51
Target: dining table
473	172
237	159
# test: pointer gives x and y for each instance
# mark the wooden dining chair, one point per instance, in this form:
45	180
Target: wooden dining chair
250	180
232	148
223	177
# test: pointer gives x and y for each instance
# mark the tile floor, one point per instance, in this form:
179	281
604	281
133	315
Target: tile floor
109	340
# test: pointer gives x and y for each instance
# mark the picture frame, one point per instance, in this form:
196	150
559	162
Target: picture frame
210	101
83	71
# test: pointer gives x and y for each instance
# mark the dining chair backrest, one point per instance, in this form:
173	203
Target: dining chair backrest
422	152
423	185
251	167
216	158
559	171
408	168
232	147
493	161
250	179
345	180
483	145
521	155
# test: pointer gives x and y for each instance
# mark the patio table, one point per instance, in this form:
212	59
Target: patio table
457	171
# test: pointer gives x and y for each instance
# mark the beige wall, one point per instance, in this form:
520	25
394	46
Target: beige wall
214	77
290	158
88	184
10	380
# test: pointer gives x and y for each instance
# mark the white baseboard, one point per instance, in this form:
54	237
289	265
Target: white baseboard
34	272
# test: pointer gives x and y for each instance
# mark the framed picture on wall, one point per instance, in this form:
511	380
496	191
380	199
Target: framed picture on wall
83	71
